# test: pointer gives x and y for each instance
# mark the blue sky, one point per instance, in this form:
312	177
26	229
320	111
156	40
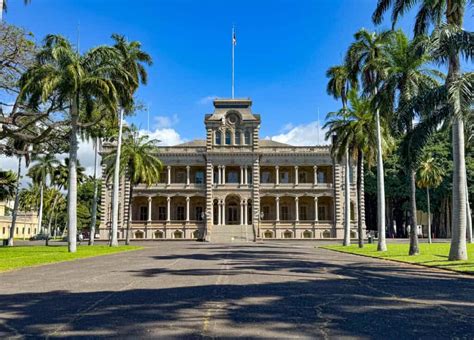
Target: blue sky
283	51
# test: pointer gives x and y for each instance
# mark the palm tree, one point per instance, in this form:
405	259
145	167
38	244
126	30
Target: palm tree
133	59
406	76
8	180
21	150
450	42
43	168
3	6
430	175
365	58
355	130
78	81
138	163
338	86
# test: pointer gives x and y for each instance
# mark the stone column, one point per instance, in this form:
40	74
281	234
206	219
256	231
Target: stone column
297	210
296	175
168	209
188	168
246	174
219	174
241	212
187	209
277	200
219	211
223	174
223	212
149	208
246	210
316	217
241	175
315	170
277	175
169	174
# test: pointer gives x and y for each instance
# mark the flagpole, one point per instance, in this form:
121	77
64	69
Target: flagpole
233	47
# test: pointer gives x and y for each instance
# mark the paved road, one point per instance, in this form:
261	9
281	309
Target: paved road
199	290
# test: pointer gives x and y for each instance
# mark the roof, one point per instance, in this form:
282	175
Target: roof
262	143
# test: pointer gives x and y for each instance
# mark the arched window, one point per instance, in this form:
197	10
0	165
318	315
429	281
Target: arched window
247	137
237	137
227	137
218	138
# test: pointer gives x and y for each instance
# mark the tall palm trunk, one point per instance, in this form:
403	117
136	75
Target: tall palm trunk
347	202
50	221
360	192
129	207
414	249
468	216
115	189
40	213
458	251
429	213
15	205
72	181
94	199
382	245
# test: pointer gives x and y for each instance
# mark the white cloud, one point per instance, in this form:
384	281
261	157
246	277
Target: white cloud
167	137
301	135
206	100
166	121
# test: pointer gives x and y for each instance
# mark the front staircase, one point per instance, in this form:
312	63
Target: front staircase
231	234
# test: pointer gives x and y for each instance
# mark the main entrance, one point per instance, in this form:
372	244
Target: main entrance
232	209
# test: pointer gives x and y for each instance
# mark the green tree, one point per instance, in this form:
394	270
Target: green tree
339	84
133	60
137	162
8	180
406	75
42	169
365	59
449	42
430	175
80	81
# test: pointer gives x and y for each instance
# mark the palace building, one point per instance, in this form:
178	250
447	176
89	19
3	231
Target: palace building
224	186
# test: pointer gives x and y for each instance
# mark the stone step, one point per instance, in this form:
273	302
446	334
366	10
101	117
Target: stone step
231	234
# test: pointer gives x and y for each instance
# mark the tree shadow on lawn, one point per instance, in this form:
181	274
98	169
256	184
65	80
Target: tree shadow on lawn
315	298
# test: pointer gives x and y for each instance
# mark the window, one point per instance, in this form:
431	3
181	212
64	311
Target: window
29	231
322	213
307	234
249	176
158	234
237	137
16	231
284	215
139	234
287	234
178	234
199	211
216	177
302	177
218	138
161	213
268	234
284	177
180	213
227	137
163	177
3	230
266	212
321	177
266	177
199	177
143	213
303	213
247	137
180	176
232	177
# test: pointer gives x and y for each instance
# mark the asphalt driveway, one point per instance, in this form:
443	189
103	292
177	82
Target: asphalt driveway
195	290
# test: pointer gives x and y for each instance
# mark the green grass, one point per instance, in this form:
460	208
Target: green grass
431	255
26	256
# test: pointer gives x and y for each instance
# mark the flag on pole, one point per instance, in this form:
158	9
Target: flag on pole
234	38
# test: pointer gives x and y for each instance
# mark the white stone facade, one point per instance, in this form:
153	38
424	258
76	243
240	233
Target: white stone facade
233	182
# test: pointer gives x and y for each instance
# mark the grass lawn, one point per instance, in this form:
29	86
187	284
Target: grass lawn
26	256
432	255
